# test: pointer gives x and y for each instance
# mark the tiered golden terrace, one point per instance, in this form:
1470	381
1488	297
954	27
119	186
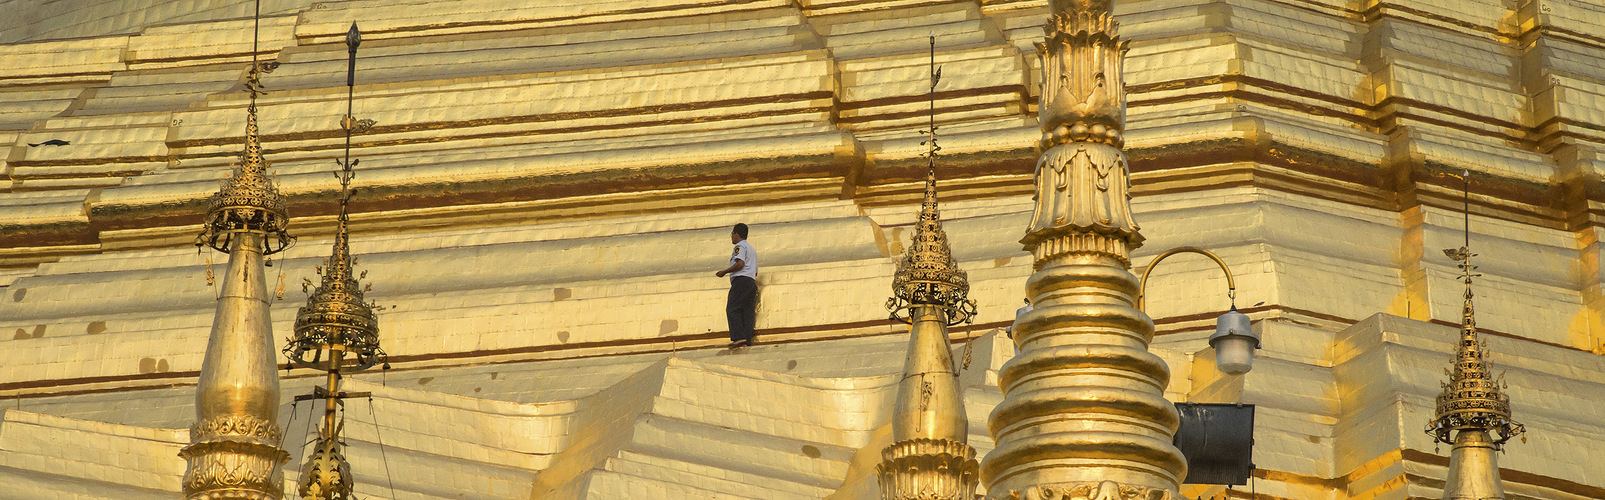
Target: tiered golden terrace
547	189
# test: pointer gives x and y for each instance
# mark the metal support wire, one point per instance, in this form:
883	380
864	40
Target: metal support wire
311	407
293	408
382	456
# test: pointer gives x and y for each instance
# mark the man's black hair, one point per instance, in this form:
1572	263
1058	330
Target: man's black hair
740	230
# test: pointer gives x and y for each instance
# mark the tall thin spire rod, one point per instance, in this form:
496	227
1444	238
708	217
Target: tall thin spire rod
351	90
1465	193
256	66
936	75
256	30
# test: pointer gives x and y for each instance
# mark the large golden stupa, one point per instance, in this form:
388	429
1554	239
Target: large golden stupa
546	189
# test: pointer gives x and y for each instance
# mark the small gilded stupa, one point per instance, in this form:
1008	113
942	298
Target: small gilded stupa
1084	413
929	458
1472	413
235	449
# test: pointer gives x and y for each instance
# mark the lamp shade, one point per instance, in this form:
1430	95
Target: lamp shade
1234	341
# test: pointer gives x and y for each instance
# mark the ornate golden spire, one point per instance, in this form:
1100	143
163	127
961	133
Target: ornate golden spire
338	320
248	200
1472	409
929	458
927	274
1084	413
235	450
1082	182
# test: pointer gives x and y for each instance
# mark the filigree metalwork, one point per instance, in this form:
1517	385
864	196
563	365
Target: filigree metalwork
249	427
927	275
1471	399
326	474
247	201
336	315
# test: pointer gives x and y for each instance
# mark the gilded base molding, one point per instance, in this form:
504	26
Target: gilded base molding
229	469
1104	490
236	426
928	469
1082	196
1052	245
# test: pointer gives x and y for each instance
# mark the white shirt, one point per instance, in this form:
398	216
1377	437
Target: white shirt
744	252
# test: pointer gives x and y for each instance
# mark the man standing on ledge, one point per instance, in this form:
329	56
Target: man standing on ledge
740	308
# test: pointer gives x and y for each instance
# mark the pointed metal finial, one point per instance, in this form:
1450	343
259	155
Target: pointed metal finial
1472	399
336	313
929	457
1473	413
336	319
927	274
248	201
353	38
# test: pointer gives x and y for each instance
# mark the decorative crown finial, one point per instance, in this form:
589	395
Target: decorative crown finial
336	312
248	201
353	38
338	319
927	274
1472	398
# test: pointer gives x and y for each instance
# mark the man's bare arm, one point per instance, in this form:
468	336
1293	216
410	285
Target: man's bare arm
733	268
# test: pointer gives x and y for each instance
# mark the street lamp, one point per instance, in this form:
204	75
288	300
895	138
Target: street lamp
1234	339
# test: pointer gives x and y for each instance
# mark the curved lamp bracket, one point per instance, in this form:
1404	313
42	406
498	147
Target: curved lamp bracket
1231	285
